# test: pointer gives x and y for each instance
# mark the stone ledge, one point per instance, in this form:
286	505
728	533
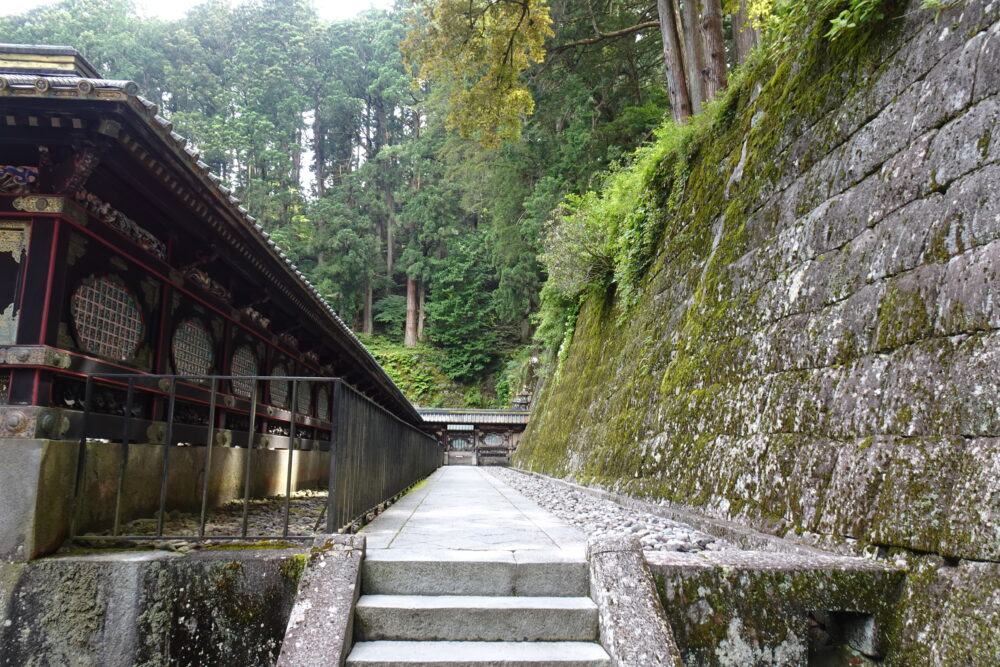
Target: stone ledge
320	625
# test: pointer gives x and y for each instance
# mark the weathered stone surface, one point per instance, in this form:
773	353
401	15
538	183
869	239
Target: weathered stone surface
988	71
149	608
929	631
321	620
634	629
817	351
752	608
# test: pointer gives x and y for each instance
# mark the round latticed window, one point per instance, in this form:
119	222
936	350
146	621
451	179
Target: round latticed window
279	388
191	348
106	318
244	363
323	403
494	440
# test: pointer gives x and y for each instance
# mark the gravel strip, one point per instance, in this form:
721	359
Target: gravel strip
598	517
266	516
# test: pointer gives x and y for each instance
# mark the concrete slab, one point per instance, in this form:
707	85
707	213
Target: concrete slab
452	572
475	618
439	572
466	508
480	654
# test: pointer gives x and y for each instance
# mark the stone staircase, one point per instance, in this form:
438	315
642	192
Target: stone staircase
484	608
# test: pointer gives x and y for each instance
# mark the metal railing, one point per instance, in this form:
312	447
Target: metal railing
366	454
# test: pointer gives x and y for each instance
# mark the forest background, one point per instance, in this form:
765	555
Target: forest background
455	211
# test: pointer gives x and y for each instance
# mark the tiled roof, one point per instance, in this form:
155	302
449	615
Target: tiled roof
449	416
111	90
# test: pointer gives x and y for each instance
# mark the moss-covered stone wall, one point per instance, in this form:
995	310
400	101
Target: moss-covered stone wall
816	352
149	608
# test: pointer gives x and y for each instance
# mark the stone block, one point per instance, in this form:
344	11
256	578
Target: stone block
545	573
634	628
884	136
908	310
903	178
117	609
967	298
36	483
963	145
477	654
750	608
855	397
320	624
947	88
855	484
988	67
475	618
949	613
913	505
973	528
968	215
439	572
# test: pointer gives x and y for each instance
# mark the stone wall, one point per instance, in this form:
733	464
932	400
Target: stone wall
37	479
148	608
816	349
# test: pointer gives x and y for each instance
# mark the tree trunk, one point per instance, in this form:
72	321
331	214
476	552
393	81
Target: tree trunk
694	56
390	240
421	314
412	312
713	47
366	314
319	152
745	36
680	100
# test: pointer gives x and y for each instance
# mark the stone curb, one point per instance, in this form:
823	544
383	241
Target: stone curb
321	622
633	627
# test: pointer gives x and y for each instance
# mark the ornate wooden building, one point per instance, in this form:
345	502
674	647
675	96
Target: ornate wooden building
477	437
120	252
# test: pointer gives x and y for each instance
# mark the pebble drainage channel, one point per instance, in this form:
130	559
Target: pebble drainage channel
265	517
598	517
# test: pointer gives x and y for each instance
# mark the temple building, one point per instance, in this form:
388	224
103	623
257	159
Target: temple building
121	253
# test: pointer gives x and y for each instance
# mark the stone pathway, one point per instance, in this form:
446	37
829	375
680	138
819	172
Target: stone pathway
468	508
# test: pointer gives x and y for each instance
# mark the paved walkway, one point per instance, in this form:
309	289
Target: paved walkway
467	508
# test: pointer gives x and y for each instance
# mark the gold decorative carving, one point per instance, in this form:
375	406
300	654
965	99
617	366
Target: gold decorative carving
13	238
16	423
39	204
223	438
34	356
53	424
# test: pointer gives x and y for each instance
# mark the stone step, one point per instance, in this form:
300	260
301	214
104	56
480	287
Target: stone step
475	618
479	654
453	572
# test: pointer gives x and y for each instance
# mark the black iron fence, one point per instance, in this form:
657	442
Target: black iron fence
165	452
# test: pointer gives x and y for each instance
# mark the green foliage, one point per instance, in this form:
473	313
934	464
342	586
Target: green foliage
787	23
255	84
609	237
474	51
391	311
417	371
461	314
859	12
